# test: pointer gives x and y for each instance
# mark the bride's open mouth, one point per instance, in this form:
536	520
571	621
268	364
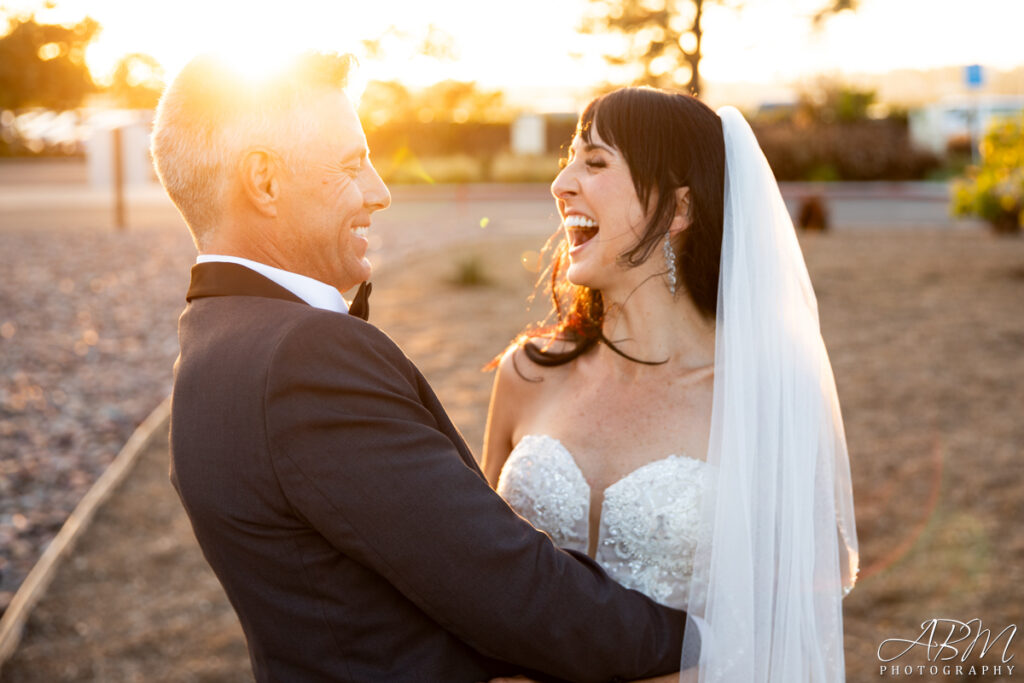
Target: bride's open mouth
580	229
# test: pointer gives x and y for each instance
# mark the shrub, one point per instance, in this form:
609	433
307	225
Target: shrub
857	150
470	271
994	190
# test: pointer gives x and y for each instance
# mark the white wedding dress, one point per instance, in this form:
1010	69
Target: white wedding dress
649	522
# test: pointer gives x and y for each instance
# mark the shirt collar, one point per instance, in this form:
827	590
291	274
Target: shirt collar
313	292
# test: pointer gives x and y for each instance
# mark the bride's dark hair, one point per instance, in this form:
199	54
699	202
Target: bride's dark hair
669	140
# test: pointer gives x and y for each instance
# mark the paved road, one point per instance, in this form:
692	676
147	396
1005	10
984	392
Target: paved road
55	195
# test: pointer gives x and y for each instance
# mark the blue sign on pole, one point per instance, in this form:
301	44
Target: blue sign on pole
974	76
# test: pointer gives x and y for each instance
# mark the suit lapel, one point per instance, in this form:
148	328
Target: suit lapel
218	278
230	279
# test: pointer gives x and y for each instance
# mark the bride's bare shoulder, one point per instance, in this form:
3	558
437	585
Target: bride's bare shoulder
522	369
524	386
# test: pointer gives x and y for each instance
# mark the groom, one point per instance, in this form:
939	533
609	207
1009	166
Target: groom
336	502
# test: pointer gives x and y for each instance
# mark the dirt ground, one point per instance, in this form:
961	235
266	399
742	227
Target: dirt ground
926	334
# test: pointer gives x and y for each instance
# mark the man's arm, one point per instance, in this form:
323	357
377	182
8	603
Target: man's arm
361	458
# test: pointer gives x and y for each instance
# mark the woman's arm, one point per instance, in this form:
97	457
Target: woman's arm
501	416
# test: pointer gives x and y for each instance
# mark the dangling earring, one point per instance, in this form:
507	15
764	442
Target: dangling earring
670	265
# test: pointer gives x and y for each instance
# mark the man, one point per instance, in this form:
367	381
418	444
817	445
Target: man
348	522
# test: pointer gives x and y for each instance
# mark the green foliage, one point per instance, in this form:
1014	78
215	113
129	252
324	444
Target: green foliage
994	190
138	81
823	173
831	102
43	65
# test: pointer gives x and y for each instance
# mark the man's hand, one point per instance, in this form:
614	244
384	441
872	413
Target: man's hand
688	676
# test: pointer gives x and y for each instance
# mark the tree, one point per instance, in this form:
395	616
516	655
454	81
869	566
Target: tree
138	81
43	65
461	101
663	37
445	101
384	101
433	42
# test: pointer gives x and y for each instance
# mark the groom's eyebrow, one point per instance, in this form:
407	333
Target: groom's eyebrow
355	153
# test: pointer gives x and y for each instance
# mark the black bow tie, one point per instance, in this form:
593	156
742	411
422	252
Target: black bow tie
360	307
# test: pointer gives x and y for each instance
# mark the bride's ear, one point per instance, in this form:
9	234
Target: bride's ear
681	219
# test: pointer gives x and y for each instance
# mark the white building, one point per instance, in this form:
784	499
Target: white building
960	118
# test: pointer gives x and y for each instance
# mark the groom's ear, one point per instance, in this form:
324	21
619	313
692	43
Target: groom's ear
681	219
259	176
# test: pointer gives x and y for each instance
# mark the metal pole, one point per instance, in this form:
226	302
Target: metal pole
119	213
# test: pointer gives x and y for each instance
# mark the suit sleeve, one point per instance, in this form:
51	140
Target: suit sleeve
361	458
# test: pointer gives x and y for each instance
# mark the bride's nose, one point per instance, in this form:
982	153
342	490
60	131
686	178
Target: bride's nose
564	184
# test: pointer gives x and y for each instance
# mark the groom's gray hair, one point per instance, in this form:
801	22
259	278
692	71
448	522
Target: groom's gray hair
209	116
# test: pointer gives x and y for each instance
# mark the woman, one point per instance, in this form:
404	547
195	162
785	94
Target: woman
679	423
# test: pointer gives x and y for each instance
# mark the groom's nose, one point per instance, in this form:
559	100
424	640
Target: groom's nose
375	193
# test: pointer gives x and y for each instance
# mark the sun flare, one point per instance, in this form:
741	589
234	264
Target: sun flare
251	62
535	48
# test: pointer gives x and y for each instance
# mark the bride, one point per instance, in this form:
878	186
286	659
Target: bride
678	422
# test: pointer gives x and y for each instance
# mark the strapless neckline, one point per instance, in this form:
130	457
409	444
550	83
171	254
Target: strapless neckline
559	446
649	520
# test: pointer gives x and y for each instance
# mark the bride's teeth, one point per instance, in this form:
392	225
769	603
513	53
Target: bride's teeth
577	221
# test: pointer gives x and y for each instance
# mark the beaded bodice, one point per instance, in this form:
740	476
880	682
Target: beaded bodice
649	520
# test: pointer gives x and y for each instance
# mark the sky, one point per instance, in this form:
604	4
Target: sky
534	43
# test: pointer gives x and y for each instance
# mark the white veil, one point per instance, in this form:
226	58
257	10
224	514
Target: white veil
779	548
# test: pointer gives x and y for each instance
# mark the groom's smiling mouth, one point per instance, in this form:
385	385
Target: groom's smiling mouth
580	229
361	230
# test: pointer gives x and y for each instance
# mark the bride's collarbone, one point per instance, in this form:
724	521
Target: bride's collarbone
613	428
595	402
608	414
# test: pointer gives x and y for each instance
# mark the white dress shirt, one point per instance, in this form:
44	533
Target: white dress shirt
313	292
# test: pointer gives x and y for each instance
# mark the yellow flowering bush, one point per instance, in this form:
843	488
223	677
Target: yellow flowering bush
994	190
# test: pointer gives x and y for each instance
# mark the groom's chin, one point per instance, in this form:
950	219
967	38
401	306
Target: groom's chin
361	271
366	273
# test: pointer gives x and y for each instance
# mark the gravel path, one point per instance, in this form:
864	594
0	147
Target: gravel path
87	340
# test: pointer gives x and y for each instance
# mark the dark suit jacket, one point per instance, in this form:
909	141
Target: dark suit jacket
348	522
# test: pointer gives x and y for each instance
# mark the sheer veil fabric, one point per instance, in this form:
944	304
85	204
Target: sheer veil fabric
779	547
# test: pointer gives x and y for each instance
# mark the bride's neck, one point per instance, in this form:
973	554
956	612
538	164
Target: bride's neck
650	324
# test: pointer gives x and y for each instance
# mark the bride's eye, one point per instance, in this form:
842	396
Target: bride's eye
596	163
